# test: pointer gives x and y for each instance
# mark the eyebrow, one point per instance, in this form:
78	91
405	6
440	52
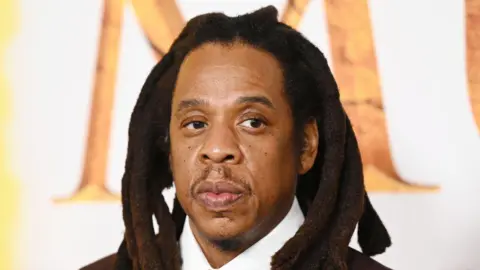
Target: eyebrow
189	103
255	99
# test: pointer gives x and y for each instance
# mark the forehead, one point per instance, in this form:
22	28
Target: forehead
221	71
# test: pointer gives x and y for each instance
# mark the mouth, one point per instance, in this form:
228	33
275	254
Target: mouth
219	196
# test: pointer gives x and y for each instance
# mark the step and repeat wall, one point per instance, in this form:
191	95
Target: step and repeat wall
409	76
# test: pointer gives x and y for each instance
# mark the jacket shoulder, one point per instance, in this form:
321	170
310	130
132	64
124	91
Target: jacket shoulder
106	263
356	261
359	261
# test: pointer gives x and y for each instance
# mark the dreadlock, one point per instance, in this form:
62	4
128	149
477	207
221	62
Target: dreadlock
331	195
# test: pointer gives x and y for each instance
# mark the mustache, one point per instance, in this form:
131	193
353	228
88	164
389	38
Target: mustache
222	173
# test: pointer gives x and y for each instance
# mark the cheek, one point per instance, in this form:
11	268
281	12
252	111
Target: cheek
181	178
273	171
180	164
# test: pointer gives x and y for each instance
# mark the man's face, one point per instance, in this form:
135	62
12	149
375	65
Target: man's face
232	142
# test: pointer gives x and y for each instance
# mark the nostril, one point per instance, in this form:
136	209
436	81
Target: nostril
217	158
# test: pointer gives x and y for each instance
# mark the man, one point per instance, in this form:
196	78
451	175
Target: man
243	115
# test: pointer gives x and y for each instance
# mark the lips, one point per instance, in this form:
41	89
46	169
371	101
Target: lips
218	196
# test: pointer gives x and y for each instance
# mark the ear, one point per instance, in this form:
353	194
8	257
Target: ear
310	146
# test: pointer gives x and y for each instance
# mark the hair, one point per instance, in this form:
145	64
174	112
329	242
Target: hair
331	195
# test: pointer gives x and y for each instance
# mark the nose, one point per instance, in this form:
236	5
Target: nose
220	146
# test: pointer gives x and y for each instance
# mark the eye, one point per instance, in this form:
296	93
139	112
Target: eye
253	123
195	125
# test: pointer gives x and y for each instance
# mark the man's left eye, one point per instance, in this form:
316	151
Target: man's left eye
253	123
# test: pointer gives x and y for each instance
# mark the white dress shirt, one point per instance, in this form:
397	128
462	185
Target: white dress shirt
257	257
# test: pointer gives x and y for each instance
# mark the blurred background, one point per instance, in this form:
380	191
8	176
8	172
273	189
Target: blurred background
70	73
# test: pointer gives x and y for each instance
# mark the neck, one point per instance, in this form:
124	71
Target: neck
219	253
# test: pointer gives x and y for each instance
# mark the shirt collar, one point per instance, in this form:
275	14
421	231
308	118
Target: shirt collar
257	257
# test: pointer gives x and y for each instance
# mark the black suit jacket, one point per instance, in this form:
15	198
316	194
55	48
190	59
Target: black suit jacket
356	261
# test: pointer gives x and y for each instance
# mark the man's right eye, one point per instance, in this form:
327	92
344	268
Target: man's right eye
195	125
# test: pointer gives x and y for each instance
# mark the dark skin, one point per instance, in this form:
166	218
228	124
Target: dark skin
231	123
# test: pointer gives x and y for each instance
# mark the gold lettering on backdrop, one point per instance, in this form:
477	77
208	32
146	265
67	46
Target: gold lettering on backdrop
355	68
10	187
161	22
354	64
472	9
92	186
293	12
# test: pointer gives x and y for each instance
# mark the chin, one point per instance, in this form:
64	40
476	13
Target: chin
223	227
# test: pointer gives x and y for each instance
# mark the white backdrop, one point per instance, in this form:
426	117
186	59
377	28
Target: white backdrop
421	58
